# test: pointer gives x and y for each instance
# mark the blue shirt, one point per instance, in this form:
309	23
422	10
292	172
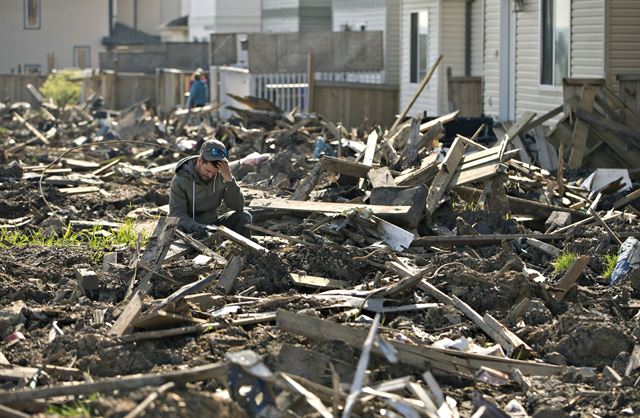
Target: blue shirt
197	94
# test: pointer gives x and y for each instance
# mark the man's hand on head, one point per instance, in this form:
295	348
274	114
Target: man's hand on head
225	171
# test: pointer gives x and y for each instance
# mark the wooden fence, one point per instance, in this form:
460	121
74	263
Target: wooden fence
465	94
630	90
13	86
352	103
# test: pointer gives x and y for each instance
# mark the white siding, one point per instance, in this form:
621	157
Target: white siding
63	25
624	38
280	15
392	43
428	100
315	16
357	13
220	16
477	36
453	34
587	39
491	56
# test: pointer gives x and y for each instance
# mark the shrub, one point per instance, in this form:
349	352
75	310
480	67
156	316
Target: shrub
61	88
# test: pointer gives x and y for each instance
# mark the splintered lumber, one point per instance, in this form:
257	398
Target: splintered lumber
581	128
309	183
369	152
444	176
476	174
160	319
544	247
569	278
6	412
439	120
31	128
441	361
423	175
149	400
131	311
627	199
480	240
159	243
325	207
200	247
634	360
544	118
546	156
106	167
239	239
605	226
230	272
81	164
380	177
518	127
79	190
317	282
423	84
216	371
342	166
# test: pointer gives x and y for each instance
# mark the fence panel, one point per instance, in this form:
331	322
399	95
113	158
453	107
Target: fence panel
13	87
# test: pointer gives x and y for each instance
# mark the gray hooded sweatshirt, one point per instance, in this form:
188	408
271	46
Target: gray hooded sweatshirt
194	201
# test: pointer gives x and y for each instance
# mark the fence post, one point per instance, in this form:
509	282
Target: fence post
311	75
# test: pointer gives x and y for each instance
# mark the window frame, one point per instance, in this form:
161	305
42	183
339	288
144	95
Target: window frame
25	13
415	75
552	87
75	57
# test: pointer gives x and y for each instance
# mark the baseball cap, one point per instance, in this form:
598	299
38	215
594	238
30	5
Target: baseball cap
213	150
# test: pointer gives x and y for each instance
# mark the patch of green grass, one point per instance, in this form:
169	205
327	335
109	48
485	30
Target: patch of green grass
99	241
2	130
563	262
78	408
610	261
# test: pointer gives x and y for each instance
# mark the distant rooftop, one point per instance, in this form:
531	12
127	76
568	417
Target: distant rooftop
126	35
181	21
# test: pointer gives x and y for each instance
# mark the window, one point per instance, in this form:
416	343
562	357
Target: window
554	41
31	14
32	68
419	39
82	56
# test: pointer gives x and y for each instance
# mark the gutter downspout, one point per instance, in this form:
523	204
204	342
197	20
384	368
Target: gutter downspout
110	17
467	38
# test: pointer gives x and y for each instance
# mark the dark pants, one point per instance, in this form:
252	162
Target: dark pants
236	221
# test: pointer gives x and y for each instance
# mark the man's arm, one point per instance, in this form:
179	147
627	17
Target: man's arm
232	195
179	207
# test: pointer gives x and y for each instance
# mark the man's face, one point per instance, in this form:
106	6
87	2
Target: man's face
206	169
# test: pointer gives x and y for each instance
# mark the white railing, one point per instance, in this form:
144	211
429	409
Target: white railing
285	90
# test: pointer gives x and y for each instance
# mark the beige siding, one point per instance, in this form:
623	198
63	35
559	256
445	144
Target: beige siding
491	57
428	100
392	39
530	96
624	38
19	46
587	39
453	13
477	37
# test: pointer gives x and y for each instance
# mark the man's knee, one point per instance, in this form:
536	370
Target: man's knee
245	218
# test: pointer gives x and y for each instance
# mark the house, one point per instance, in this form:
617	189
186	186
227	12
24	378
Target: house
37	35
554	39
373	15
296	15
222	16
176	30
430	28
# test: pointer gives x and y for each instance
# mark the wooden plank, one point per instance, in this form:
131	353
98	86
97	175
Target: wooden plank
159	243
309	183
546	156
480	240
476	174
240	239
518	127
160	319
230	272
544	118
569	278
79	190
441	361
522	150
131	311
444	176
380	177
442	120
318	282
31	128
81	164
6	412
422	175
415	96
581	129
627	199
326	207
342	166
544	247
369	152
201	248
123	384
106	167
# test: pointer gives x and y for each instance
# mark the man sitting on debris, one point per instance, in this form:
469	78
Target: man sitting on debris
200	184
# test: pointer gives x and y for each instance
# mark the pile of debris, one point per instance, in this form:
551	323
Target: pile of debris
387	275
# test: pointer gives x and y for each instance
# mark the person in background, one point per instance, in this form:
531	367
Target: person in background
200	184
198	90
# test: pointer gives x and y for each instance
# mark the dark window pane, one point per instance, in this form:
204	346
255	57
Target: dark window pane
413	65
